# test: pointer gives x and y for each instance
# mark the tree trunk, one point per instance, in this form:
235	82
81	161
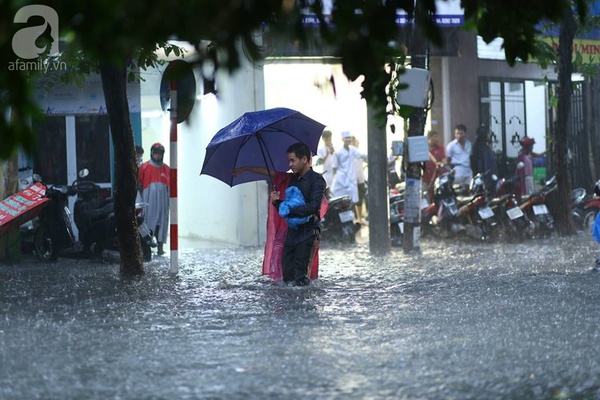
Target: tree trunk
564	222
378	193
114	84
10	244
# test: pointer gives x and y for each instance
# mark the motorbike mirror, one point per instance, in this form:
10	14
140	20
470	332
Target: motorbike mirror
520	165
494	177
84	172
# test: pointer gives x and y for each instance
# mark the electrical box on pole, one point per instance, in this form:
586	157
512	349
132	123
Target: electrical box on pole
416	94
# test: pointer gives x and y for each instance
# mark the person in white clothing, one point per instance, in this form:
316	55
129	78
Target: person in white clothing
344	166
361	184
325	154
458	154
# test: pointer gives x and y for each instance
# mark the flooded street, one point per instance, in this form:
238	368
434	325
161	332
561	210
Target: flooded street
459	321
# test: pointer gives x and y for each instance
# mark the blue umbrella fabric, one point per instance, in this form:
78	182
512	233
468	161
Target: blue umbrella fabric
258	139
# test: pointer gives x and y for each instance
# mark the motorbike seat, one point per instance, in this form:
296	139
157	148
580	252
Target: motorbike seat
499	200
464	199
338	199
87	188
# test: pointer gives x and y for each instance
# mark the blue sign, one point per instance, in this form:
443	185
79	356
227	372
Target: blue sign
448	13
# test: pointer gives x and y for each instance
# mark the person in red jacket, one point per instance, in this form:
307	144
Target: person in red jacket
154	180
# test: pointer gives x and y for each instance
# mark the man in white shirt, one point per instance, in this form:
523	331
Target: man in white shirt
325	154
361	185
458	153
344	181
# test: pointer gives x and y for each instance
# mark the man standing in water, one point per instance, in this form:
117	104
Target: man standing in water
301	244
154	180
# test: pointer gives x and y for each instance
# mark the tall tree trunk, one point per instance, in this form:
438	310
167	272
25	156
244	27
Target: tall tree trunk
114	84
378	193
564	222
10	244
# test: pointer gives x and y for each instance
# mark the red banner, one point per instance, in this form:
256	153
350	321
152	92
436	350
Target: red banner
21	207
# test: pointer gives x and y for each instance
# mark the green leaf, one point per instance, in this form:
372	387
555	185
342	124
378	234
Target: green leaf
405	111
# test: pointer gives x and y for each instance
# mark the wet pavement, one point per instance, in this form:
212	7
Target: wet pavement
458	321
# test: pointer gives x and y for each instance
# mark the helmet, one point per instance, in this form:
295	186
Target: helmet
157	147
597	188
527	142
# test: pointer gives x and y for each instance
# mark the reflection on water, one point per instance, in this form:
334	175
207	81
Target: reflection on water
457	321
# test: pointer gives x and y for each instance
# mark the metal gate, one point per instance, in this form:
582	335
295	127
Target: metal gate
578	141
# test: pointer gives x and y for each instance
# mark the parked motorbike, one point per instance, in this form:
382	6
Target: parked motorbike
440	218
396	199
585	208
591	207
93	217
54	234
475	213
337	225
515	225
534	207
396	218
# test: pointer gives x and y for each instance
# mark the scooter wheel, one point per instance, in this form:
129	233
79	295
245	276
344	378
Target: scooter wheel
588	219
42	245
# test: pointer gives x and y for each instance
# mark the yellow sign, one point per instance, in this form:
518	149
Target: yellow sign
584	50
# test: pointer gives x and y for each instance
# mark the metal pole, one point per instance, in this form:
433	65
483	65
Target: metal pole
174	234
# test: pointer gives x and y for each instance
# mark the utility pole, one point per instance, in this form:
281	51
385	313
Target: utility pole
416	125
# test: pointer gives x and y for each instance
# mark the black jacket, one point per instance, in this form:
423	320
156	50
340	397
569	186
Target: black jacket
312	185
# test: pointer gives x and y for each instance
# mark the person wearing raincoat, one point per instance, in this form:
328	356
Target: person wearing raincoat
154	181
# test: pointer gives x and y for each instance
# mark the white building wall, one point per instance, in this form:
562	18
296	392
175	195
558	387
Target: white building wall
210	210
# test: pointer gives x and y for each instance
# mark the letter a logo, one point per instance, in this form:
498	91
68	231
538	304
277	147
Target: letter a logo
24	41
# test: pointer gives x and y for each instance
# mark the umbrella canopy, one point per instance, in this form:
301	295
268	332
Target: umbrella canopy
259	139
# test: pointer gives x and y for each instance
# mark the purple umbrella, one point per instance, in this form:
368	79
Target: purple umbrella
258	139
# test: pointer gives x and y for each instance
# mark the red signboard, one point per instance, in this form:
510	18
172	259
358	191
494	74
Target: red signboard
21	207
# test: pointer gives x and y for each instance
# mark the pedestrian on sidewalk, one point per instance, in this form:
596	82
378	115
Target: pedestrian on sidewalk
154	179
483	159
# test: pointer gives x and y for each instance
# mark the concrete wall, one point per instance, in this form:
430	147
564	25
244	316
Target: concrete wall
210	210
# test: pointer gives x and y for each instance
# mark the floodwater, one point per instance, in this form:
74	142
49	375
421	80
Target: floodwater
458	321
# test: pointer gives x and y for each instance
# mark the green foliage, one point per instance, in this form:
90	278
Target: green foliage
513	21
365	37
